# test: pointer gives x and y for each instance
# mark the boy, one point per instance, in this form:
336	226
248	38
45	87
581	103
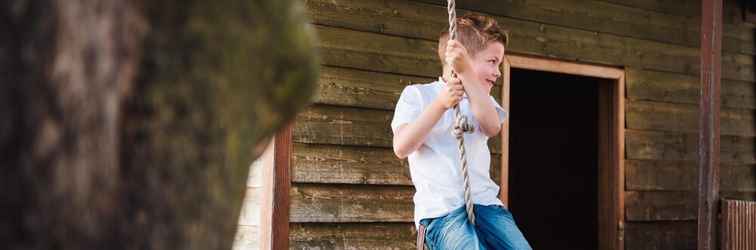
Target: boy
422	126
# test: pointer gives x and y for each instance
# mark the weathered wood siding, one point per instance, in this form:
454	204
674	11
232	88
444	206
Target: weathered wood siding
350	192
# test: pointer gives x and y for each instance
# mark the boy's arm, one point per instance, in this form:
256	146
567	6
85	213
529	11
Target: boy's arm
481	106
410	136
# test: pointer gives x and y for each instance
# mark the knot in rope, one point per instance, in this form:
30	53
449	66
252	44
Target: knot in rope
461	126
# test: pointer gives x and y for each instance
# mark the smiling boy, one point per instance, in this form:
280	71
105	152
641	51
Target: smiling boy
422	124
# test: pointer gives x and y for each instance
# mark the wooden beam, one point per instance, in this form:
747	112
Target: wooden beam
606	235
565	67
618	168
708	153
281	184
504	173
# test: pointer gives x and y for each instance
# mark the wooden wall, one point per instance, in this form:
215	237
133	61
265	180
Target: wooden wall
350	191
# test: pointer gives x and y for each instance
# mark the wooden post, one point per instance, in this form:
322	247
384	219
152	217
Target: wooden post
708	144
504	173
281	184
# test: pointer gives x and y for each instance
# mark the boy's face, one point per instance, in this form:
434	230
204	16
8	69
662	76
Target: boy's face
486	64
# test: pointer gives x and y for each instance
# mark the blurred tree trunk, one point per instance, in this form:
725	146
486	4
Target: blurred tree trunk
129	124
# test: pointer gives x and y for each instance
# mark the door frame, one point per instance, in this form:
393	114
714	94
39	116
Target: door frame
611	207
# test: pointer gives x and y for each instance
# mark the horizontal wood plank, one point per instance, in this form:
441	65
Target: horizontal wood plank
343	236
361	203
312	163
652	145
684	8
351	203
325	124
732	10
648	85
646	175
376	52
322	163
642	115
748	196
679	235
668	205
654	206
357	88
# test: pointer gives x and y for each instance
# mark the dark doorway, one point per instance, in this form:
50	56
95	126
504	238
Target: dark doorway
554	158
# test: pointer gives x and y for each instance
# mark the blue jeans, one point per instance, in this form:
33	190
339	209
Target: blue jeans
494	229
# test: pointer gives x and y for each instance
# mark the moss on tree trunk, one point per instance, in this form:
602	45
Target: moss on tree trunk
131	124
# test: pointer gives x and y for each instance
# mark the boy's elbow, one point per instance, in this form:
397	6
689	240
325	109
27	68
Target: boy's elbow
400	151
400	155
493	130
400	147
491	134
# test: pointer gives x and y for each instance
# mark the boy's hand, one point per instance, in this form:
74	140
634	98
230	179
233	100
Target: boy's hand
451	94
457	56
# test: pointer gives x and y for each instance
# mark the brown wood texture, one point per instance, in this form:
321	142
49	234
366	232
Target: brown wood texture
607	17
680	235
337	164
738	225
394	31
733	10
282	146
351	203
657	86
709	123
504	159
605	205
348	165
342	236
619	154
347	180
660	175
364	89
655	145
646	206
657	116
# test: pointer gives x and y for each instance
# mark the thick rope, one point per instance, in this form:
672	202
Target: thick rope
461	125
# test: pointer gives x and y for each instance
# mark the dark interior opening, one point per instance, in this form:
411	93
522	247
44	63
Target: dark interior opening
553	166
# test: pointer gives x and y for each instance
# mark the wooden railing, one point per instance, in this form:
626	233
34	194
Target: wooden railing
738	225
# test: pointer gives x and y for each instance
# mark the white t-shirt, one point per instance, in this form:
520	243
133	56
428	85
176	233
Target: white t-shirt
435	167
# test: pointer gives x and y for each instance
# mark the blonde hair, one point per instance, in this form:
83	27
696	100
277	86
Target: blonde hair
474	31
